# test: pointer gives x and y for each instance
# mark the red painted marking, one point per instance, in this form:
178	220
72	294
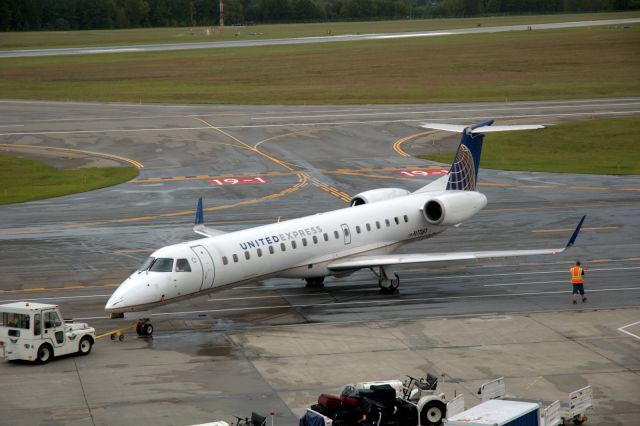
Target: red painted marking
239	181
422	172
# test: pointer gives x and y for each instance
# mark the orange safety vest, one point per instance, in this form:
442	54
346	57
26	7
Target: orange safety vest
576	275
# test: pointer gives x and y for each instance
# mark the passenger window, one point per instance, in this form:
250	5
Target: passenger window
335	234
315	240
293	244
304	242
283	247
182	265
235	258
368	227
406	219
225	260
357	229
397	220
386	221
270	249
377	224
326	237
162	265
259	252
247	255
346	232
13	320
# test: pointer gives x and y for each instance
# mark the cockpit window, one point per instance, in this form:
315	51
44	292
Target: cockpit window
146	264
182	265
162	265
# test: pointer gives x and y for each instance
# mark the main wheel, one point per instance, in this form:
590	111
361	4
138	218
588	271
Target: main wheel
433	413
45	353
84	348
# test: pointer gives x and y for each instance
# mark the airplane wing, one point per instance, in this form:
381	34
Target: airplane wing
359	262
199	227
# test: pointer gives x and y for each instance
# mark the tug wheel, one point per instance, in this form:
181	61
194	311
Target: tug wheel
45	353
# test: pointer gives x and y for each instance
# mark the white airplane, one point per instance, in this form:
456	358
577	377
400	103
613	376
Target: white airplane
335	243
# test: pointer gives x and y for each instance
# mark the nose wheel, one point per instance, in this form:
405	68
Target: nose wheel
144	327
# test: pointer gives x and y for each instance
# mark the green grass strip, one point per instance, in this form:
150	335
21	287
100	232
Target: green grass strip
526	65
607	147
123	37
27	180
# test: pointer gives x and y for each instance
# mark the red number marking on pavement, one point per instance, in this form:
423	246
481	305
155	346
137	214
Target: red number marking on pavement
239	181
421	173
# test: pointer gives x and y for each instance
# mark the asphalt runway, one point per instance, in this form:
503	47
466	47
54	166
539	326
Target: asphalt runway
74	250
302	40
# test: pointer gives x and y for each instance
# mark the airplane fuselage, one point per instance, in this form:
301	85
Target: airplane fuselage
297	248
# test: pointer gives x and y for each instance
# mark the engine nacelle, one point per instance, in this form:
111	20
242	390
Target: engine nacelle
375	195
453	207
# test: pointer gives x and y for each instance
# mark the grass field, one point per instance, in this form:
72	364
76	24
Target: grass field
50	39
27	180
592	147
550	64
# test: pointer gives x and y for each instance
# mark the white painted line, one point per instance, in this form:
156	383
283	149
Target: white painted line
622	329
71	132
500	108
526	283
390	302
13	125
265	297
343	123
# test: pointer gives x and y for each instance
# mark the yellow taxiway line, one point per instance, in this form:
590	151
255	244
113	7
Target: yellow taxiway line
135	163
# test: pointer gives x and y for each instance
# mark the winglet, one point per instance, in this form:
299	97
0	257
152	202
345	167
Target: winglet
572	240
199	213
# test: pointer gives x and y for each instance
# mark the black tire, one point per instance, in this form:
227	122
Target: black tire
147	329
139	329
85	345
45	354
578	420
315	282
433	413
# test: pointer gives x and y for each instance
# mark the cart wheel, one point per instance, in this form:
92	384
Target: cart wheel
113	336
147	329
84	348
121	338
45	353
578	420
433	413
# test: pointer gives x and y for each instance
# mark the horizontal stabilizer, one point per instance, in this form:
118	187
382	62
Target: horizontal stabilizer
483	129
199	227
360	262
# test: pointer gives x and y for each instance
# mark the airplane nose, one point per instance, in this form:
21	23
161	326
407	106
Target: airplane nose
113	302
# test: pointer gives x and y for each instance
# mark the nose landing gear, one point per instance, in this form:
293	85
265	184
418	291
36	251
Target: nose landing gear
144	327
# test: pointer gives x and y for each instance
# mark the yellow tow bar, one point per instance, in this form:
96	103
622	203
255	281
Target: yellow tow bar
117	334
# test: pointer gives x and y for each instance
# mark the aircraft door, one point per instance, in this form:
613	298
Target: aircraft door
206	263
347	233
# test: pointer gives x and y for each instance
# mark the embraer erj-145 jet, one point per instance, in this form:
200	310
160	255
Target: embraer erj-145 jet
335	243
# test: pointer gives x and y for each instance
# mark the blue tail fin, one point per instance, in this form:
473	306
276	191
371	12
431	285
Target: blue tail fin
464	169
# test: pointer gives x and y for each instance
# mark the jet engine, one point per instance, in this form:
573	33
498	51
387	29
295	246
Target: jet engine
374	195
453	207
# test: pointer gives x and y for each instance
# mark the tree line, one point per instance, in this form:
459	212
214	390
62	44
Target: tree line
33	15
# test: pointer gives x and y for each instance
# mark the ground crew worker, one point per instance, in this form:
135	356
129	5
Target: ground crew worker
577	282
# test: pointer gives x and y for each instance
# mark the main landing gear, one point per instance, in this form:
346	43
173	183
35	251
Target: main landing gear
388	285
315	282
144	327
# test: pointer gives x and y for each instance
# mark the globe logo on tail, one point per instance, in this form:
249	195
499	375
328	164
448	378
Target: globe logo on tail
462	176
